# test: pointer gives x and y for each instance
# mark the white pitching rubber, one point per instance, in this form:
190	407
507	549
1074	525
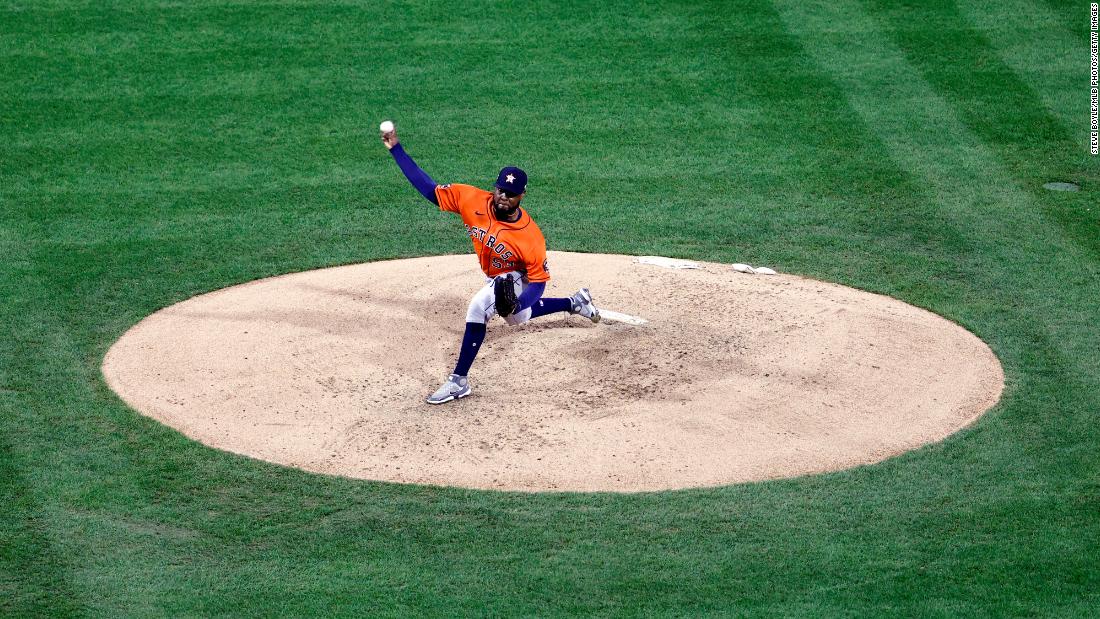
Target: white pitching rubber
668	263
623	318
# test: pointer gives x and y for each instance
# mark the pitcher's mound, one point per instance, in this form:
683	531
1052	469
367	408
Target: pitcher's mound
733	378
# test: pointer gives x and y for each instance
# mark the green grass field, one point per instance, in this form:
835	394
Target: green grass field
152	151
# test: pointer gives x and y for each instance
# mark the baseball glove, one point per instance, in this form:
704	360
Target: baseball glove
505	292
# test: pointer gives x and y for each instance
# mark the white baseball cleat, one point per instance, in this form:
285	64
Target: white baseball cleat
454	388
582	304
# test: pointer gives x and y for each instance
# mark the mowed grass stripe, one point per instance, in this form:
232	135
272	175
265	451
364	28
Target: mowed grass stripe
33	580
1043	51
1000	109
1038	443
1074	16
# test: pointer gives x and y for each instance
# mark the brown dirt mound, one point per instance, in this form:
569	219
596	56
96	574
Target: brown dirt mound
734	378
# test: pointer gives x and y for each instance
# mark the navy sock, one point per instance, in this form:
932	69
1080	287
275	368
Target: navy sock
471	343
544	306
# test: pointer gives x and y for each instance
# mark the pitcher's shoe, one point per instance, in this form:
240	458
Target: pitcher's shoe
582	304
454	388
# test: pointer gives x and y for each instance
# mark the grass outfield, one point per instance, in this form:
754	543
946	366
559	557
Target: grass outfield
151	151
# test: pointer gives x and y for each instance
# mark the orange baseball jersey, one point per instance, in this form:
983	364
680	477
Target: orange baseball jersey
501	246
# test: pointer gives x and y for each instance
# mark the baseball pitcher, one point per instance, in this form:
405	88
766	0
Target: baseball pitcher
510	249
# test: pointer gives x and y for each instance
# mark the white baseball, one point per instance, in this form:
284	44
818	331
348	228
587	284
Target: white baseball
386	126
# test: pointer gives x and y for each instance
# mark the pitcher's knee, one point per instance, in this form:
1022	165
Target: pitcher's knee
482	306
476	313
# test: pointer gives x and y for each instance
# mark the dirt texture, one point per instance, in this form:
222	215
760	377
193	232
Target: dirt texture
734	377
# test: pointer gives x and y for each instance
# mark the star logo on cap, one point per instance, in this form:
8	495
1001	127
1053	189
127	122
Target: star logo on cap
511	178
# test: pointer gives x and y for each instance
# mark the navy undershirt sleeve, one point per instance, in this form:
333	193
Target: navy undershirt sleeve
419	178
533	292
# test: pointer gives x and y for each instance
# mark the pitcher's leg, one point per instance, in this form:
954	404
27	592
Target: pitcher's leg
471	344
457	385
579	303
546	306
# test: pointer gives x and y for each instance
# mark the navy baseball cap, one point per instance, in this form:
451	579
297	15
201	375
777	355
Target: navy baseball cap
513	180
